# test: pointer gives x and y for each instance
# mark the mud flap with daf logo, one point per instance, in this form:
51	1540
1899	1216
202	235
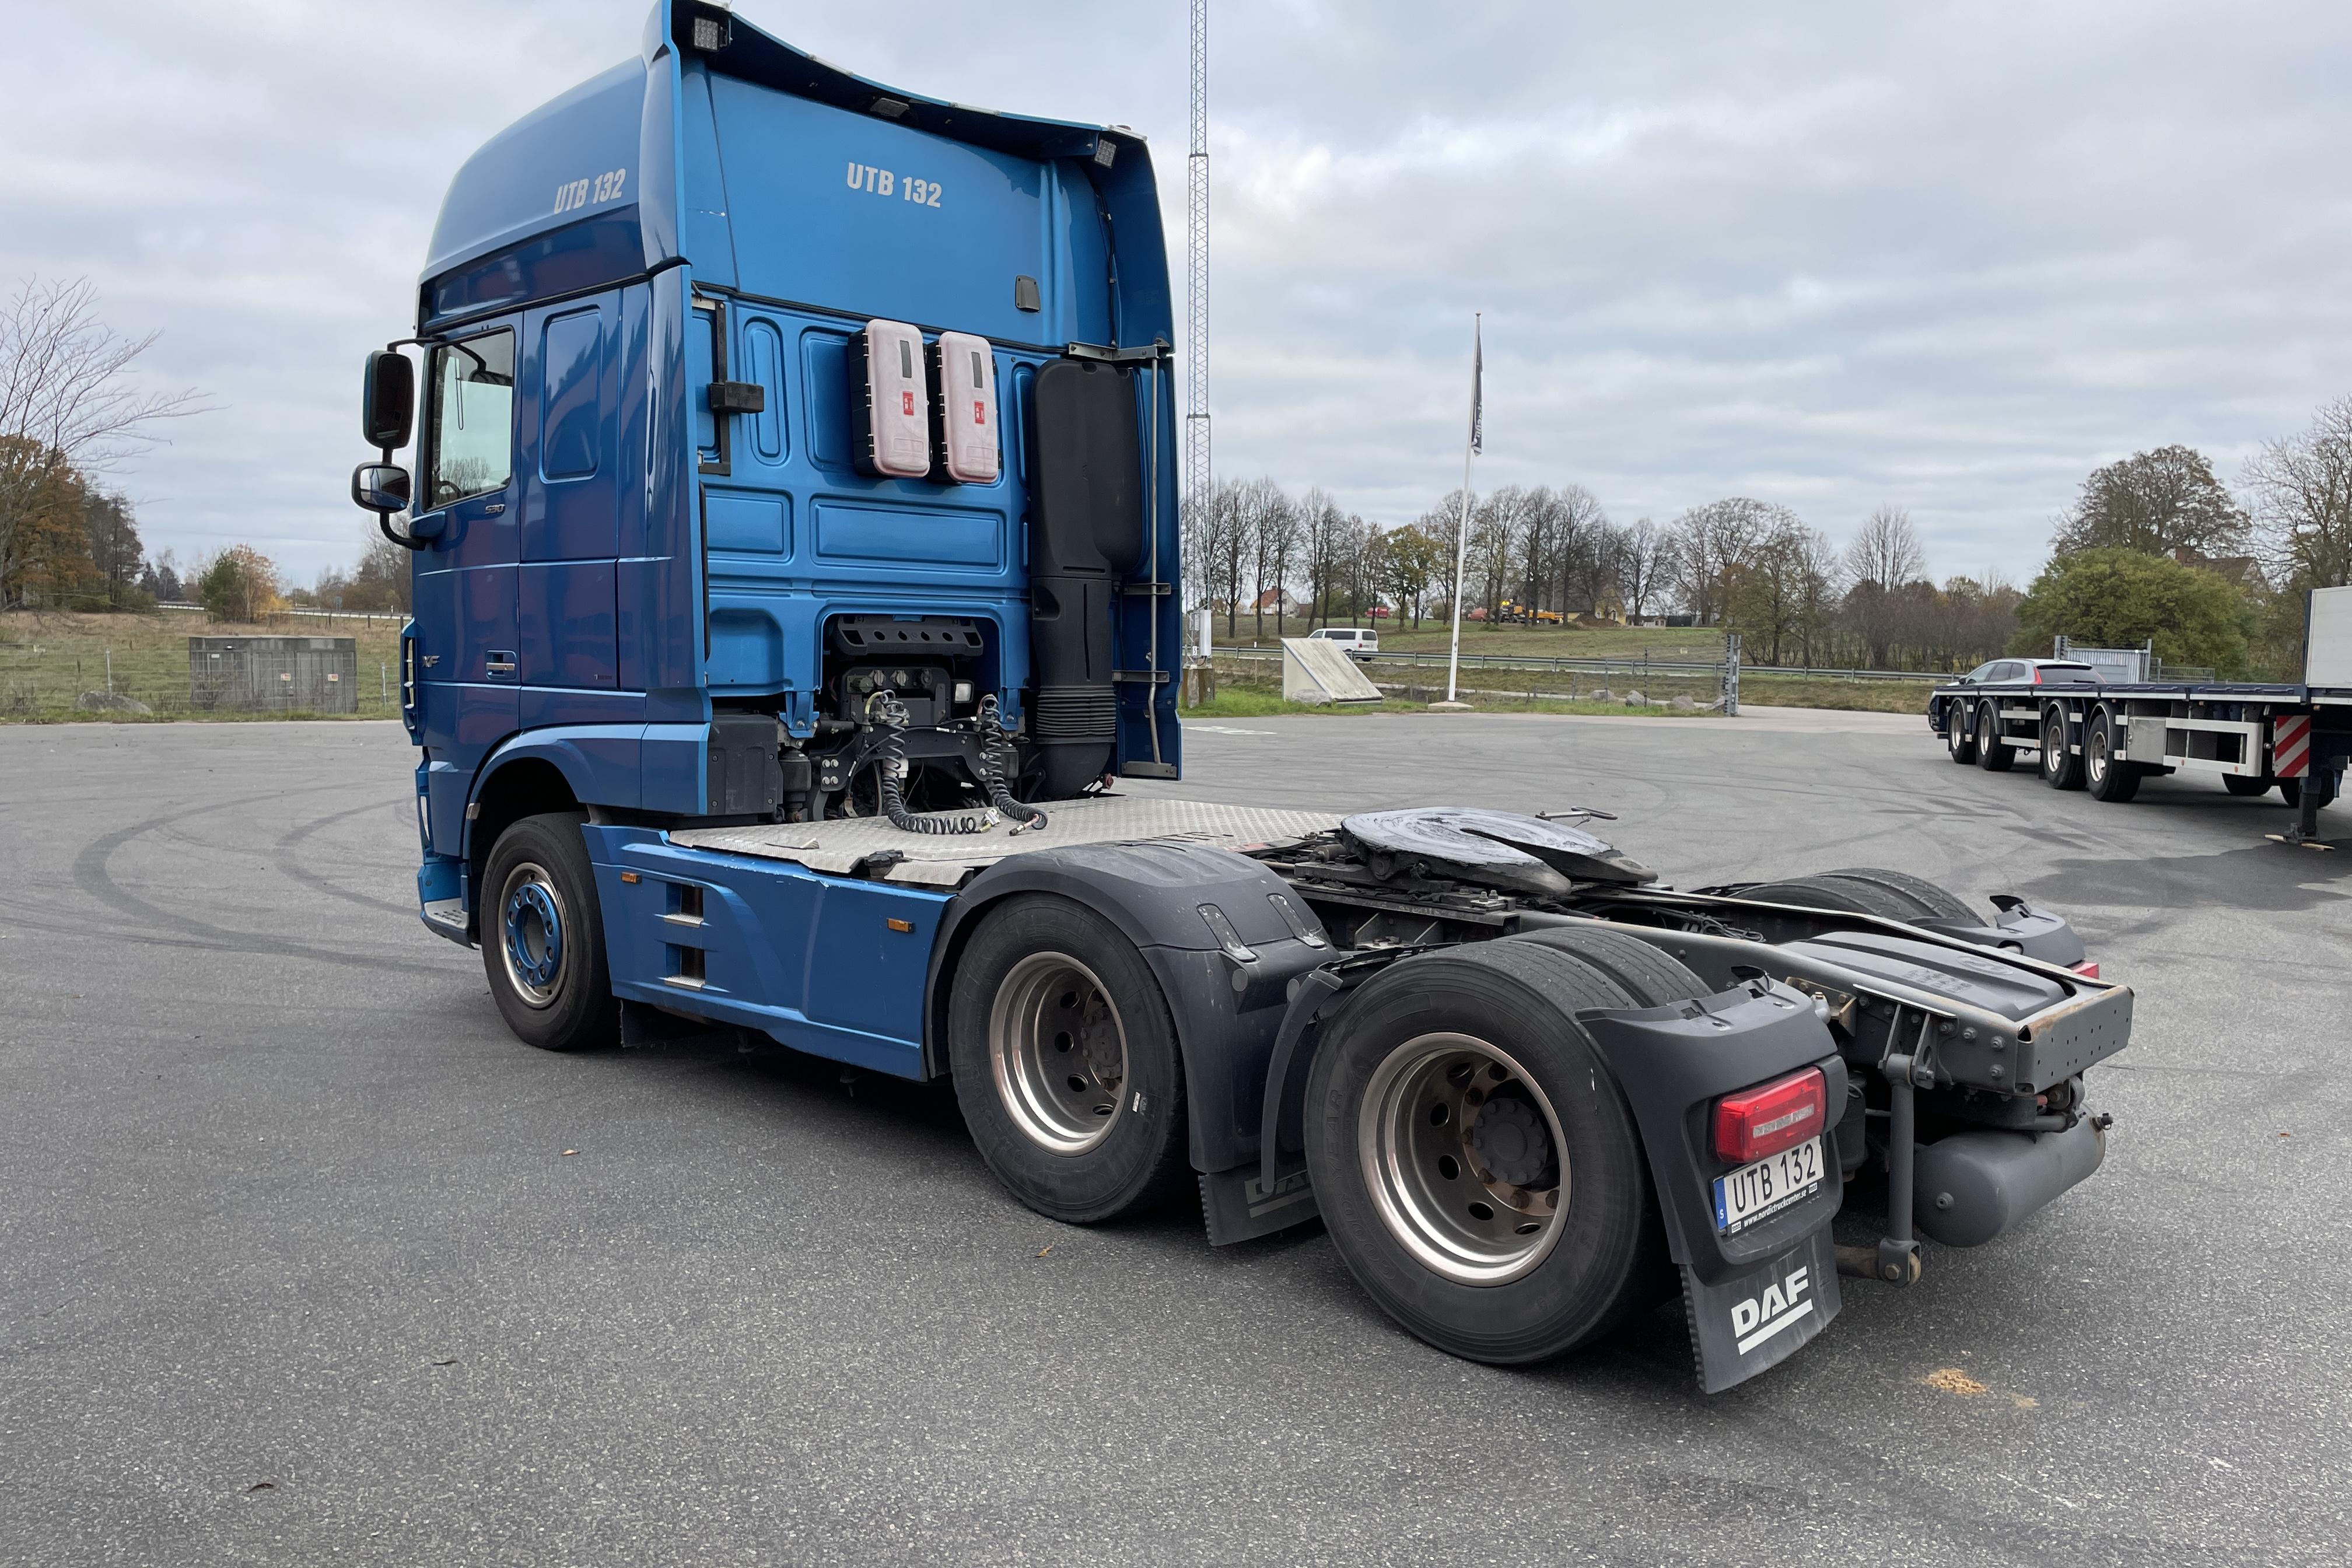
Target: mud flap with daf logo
1754	1291
1756	1319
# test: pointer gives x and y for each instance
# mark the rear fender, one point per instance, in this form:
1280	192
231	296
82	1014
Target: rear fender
1753	1296
1227	1007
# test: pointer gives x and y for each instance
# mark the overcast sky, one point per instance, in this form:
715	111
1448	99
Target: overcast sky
1947	257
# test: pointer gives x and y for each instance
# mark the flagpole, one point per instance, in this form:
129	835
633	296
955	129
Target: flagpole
1462	524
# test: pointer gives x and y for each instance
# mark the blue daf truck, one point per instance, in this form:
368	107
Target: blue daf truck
788	478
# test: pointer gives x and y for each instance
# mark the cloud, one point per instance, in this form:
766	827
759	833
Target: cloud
1949	257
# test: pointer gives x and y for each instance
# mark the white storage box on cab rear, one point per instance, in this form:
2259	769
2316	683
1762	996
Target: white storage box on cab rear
965	429
893	407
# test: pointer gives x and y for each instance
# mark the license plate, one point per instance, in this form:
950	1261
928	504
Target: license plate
1754	1192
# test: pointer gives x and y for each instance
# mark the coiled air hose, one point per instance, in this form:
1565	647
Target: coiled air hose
993	747
891	764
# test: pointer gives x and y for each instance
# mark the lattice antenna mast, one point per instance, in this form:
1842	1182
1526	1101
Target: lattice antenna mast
1196	274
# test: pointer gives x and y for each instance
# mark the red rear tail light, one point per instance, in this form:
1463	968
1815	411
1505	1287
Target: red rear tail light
1770	1117
2088	969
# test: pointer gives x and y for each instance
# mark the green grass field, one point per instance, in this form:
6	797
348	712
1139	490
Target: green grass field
47	661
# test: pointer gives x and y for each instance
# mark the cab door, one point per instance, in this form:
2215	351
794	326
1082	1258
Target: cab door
464	584
568	535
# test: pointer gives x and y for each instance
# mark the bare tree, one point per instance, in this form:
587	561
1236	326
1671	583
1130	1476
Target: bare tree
1642	566
68	405
1494	530
1882	558
1323	528
1270	525
2302	490
1578	528
1886	549
1712	543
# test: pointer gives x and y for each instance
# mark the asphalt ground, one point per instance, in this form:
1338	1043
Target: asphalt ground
304	1261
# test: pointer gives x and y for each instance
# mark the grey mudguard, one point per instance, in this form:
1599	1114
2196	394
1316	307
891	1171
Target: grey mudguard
1755	1297
1226	1007
2023	929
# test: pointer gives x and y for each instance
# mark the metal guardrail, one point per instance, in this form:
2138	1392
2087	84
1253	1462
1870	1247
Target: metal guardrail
1688	668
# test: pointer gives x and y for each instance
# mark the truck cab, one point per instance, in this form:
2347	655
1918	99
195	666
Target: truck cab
759	401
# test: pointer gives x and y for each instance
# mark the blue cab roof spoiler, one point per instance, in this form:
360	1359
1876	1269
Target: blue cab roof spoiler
519	222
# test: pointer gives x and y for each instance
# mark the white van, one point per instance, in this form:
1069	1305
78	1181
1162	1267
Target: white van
1361	641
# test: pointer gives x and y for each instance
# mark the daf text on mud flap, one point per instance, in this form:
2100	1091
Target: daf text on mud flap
1758	1318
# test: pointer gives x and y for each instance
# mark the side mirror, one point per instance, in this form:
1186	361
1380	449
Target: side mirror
381	488
388	402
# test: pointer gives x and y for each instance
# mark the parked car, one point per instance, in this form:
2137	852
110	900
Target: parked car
2039	672
1362	642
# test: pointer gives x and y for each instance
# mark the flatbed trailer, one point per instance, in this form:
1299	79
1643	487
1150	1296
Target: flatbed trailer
794	550
2107	737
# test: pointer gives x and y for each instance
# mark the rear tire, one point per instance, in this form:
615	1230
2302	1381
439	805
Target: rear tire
1869	890
1994	754
2291	790
2108	776
2244	785
1449	1091
1066	1063
1643	971
544	937
2062	768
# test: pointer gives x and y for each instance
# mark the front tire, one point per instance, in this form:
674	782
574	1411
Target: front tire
1066	1063
1994	754
544	937
1476	1165
1959	736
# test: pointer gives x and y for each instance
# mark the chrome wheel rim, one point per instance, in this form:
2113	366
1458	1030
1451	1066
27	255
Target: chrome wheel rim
2053	746
1057	1048
1464	1158
2094	750
531	924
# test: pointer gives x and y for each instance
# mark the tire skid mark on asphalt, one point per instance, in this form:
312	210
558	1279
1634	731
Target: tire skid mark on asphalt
92	876
284	863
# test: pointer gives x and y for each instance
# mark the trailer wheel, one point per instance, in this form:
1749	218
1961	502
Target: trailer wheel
2291	791
1066	1063
2246	784
1994	754
2108	777
543	936
1476	1165
2060	768
1959	736
1870	890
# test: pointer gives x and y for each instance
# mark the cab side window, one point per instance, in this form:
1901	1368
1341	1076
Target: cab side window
471	429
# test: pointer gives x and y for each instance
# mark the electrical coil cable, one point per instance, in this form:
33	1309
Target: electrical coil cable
890	766
993	747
